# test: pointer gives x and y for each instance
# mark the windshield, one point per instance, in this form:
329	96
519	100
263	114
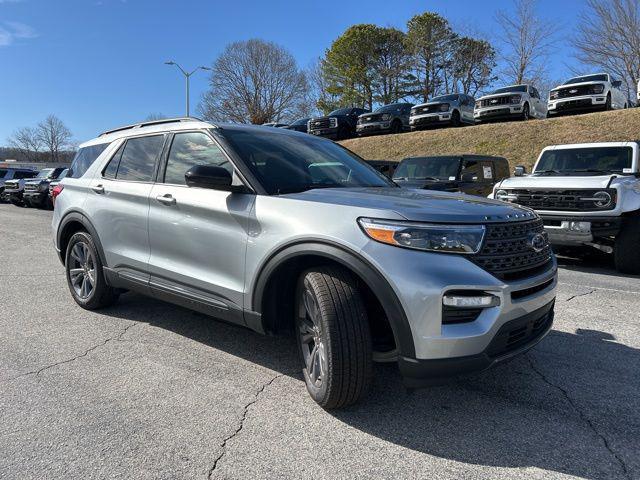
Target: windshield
515	88
421	168
445	98
389	108
586	78
44	173
341	111
287	163
584	161
302	121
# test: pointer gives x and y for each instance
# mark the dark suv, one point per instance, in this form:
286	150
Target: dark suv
393	118
472	174
36	191
338	125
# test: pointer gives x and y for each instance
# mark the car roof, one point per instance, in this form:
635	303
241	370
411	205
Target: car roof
594	144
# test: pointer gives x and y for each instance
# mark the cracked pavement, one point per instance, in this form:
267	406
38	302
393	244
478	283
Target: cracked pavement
147	390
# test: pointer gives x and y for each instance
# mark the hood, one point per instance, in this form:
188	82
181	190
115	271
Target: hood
417	205
564	182
498	95
580	84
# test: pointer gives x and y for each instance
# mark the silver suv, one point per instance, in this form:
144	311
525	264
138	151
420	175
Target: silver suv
280	231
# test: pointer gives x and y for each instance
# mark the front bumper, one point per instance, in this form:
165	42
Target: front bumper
584	102
579	230
372	128
36	197
498	112
15	195
421	279
513	338
331	133
429	120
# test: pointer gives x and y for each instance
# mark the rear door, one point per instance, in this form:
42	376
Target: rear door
118	204
198	236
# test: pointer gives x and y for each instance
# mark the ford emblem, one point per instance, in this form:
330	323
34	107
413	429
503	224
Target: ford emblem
538	241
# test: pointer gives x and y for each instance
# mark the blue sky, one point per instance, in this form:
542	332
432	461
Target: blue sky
100	63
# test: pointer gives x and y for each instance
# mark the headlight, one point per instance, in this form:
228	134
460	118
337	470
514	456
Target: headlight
464	239
501	195
386	117
597	89
444	107
478	104
515	98
553	95
43	187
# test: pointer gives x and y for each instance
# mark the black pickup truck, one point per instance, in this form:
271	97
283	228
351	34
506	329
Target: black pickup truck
338	125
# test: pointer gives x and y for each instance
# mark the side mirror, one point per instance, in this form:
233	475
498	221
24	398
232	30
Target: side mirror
468	177
519	171
617	83
210	176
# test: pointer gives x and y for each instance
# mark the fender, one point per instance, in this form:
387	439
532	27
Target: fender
76	216
354	262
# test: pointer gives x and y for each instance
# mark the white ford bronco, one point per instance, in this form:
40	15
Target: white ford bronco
586	194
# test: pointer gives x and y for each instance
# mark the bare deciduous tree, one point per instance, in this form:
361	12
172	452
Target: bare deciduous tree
527	40
608	37
27	141
254	81
54	136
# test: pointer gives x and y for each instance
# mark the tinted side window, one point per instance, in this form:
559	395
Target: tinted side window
85	158
139	158
189	149
112	167
472	167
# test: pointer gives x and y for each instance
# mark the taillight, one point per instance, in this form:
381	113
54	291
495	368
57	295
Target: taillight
57	190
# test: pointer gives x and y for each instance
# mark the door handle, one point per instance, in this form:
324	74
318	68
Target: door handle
167	199
98	188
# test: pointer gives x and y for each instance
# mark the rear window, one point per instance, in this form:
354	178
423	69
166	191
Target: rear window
85	158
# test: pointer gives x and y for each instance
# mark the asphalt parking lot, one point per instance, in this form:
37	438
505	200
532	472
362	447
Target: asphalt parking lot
147	390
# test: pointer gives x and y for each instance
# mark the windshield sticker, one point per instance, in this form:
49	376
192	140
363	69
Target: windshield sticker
451	179
627	170
487	172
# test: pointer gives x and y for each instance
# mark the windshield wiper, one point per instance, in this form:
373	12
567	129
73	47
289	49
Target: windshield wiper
593	170
543	172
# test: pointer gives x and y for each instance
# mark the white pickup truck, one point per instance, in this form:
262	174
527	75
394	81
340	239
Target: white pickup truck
586	194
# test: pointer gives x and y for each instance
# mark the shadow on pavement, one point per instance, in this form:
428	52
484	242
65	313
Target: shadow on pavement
571	405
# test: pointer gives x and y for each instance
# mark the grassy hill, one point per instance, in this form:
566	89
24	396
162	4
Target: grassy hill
519	142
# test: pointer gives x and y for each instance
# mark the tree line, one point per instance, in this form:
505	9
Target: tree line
49	141
257	81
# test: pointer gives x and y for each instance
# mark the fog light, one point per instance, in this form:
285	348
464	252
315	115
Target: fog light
581	227
465	301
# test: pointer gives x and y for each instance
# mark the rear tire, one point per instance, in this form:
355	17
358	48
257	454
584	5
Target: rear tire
85	275
333	337
626	251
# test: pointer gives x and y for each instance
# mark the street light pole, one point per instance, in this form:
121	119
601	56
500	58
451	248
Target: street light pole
187	76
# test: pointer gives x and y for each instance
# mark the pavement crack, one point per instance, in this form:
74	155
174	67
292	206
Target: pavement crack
582	416
73	359
240	426
580	295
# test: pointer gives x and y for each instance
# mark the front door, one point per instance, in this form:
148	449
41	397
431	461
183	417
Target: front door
198	236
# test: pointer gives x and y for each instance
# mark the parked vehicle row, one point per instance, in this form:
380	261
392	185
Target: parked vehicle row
24	187
312	240
515	102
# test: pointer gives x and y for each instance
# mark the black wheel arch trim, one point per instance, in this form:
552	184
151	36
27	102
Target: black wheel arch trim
352	261
76	216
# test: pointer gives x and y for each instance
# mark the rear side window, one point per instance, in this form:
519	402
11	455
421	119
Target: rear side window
85	158
190	149
137	160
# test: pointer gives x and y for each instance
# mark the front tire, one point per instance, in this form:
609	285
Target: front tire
333	337
607	105
85	275
625	251
455	118
526	112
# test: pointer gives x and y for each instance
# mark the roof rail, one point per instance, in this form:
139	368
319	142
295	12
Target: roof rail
151	123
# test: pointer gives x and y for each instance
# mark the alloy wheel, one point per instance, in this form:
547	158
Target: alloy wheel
82	270
311	339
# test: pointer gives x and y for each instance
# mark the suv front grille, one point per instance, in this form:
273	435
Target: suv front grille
323	122
574	91
561	200
492	102
30	188
507	251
